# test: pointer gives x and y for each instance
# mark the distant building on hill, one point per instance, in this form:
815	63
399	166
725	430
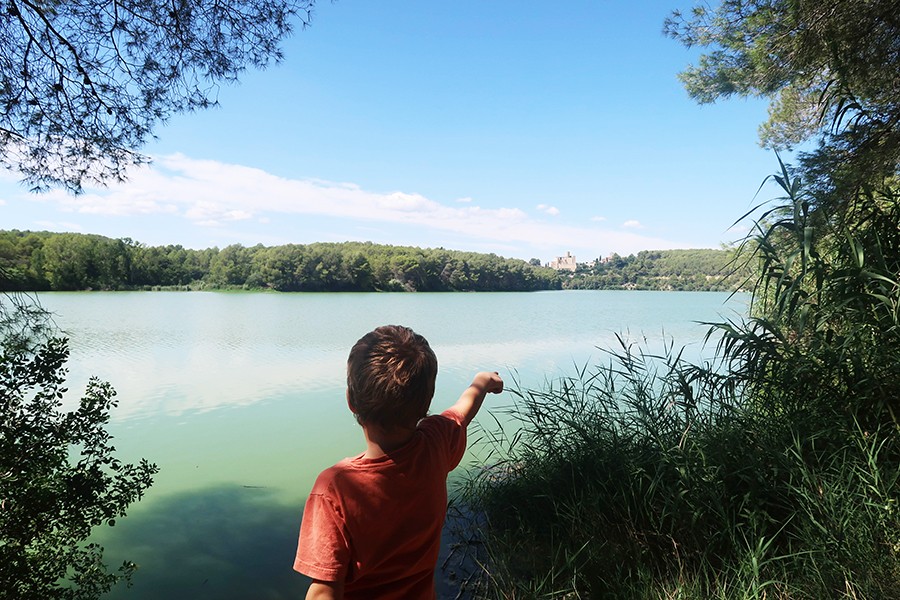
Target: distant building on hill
563	263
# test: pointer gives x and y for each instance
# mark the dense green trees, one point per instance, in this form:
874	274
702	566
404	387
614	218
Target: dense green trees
829	251
681	270
70	261
831	69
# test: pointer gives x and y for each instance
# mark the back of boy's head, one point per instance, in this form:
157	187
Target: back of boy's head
390	377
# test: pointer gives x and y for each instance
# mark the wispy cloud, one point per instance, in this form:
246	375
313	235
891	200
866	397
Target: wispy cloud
204	191
632	224
208	193
598	219
550	210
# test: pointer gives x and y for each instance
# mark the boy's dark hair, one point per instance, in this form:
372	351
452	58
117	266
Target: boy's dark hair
390	377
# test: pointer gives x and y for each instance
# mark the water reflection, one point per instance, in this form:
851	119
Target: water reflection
223	543
172	353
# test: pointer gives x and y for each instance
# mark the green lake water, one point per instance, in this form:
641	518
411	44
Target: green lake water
239	398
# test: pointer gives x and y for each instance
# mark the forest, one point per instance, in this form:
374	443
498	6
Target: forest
45	261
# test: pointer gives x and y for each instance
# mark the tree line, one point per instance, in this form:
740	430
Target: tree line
669	270
45	261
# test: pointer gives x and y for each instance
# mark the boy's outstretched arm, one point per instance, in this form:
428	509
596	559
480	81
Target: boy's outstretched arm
325	590
484	383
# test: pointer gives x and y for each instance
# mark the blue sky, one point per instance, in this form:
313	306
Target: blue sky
522	128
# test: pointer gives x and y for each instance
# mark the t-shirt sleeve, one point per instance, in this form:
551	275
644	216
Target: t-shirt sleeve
323	551
449	434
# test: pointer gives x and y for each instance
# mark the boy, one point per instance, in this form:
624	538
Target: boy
372	524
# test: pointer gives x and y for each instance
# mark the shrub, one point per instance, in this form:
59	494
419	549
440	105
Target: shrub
59	477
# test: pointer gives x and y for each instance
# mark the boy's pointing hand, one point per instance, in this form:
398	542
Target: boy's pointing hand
486	382
490	382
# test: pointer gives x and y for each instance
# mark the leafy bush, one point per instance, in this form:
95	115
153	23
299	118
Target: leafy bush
58	476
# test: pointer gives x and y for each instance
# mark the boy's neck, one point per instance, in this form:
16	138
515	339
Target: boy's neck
380	442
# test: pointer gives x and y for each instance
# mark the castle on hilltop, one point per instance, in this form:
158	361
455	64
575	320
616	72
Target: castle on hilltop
563	263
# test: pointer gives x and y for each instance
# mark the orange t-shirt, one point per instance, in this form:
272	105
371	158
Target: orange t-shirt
376	523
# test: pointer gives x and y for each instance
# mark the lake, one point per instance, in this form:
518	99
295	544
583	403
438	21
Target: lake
239	398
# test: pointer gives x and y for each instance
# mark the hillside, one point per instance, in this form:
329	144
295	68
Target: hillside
673	270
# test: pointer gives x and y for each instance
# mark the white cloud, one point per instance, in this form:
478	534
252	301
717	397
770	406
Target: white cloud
632	224
550	210
208	193
405	202
137	201
598	219
465	200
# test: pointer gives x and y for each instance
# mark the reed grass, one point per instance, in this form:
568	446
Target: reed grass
613	486
772	471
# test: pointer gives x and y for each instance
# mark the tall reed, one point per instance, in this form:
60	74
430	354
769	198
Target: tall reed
770	472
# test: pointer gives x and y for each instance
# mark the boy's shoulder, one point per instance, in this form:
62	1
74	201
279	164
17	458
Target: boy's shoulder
442	418
326	480
447	426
